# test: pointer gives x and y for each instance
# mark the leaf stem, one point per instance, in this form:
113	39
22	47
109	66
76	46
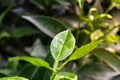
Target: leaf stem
57	69
54	70
63	64
55	65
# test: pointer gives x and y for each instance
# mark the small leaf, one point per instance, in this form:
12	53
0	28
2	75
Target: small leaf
13	78
111	59
82	51
34	61
48	25
65	75
62	45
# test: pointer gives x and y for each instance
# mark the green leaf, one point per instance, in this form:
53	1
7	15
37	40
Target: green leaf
111	59
13	78
37	73
62	45
82	51
34	61
65	76
48	25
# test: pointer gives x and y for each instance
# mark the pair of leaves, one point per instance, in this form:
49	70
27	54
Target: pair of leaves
63	45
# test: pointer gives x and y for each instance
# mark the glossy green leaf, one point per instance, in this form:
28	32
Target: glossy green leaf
13	78
65	76
62	45
35	61
48	25
111	59
82	51
37	73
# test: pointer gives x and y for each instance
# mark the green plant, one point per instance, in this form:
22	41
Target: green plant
62	47
87	21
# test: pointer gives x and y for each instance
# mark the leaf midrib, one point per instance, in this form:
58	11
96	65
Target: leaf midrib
62	46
